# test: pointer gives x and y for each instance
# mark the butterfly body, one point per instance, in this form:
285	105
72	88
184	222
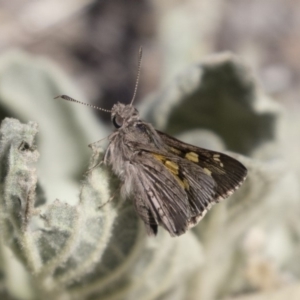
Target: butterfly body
171	184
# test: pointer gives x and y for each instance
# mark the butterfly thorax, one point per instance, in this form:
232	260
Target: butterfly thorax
131	137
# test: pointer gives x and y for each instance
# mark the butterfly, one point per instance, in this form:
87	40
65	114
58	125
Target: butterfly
171	184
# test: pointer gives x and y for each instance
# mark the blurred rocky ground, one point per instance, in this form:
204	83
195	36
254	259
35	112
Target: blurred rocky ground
97	42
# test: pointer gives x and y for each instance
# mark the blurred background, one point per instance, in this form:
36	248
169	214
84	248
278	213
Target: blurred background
97	42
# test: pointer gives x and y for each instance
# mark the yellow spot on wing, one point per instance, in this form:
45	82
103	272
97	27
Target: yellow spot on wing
216	157
186	184
192	156
207	171
170	165
176	151
173	167
183	183
159	157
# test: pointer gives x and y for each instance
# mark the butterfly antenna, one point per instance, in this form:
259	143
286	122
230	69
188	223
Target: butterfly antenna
65	97
138	74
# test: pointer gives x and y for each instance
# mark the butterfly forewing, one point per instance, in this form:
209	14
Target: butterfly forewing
177	190
227	172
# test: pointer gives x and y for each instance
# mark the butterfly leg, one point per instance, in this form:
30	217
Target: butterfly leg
112	197
94	167
95	154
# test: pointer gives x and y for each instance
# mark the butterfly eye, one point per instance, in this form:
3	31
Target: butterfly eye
118	121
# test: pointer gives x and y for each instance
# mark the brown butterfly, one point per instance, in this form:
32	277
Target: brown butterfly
171	183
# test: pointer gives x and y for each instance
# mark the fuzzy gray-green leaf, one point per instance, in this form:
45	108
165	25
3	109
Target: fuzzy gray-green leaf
218	94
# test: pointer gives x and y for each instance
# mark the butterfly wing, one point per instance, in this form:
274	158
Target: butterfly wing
227	172
161	184
144	211
174	184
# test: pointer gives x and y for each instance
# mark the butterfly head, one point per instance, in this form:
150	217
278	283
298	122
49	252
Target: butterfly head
122	115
